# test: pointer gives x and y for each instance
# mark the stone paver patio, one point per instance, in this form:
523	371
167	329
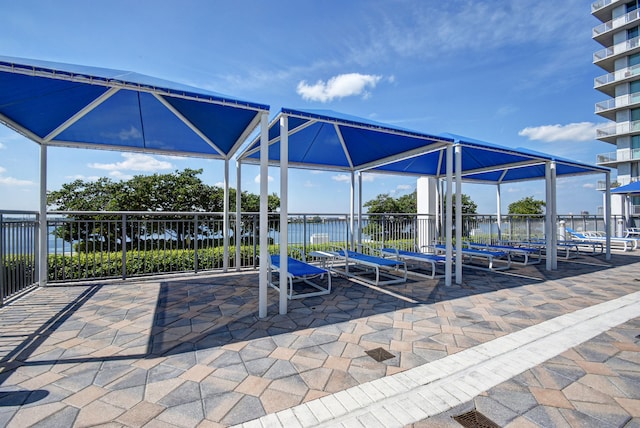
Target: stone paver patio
191	351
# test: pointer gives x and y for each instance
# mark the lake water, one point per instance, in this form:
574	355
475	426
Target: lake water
299	233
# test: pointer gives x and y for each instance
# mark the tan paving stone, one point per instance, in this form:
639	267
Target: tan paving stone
97	412
631	406
577	392
275	401
86	396
551	397
253	385
337	363
155	391
314	394
148	363
140	414
281	353
197	373
41	380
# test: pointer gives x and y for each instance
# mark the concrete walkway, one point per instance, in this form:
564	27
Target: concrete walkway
523	348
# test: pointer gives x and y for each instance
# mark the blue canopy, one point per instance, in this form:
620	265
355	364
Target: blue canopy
628	189
77	106
485	162
323	139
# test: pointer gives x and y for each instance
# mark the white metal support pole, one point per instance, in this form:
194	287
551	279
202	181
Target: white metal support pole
607	215
225	219
554	214
284	211
449	218
238	231
499	212
359	208
548	227
264	215
43	244
352	211
458	160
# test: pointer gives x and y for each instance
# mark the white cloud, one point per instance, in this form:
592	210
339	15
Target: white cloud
582	131
589	185
257	179
134	162
3	170
309	184
119	175
10	181
404	187
346	178
340	86
2	146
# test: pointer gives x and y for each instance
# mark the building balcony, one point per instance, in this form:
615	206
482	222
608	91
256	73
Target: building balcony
612	159
607	82
603	33
606	57
610	132
601	9
608	108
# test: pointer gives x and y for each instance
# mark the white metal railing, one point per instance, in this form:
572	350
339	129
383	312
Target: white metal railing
618	156
635	209
617	75
618	102
618	129
599	4
616	23
618	49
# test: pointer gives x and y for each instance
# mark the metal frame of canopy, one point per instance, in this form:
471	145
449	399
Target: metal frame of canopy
56	104
343	134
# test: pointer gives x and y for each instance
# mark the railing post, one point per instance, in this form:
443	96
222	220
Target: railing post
195	244
255	240
2	255
304	235
123	239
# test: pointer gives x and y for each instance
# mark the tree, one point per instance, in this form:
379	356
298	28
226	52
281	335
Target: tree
527	205
180	191
468	206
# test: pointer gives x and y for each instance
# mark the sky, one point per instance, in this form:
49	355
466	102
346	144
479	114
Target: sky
512	73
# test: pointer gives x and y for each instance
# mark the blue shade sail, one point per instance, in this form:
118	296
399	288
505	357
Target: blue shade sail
628	189
322	138
91	107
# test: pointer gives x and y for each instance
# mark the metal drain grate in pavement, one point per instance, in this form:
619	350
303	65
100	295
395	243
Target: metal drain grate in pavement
475	419
380	354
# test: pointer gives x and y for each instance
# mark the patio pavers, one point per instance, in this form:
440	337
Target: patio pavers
191	351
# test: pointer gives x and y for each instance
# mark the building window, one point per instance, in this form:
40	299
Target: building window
632	33
635	142
635	114
631	6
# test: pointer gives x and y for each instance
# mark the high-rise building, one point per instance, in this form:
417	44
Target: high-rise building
619	34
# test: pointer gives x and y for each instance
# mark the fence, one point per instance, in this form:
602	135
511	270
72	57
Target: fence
101	245
18	250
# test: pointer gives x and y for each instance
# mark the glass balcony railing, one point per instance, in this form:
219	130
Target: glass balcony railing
618	49
618	129
625	155
616	23
597	5
618	102
617	75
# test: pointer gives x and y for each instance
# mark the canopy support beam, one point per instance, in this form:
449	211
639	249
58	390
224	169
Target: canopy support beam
225	219
238	230
284	211
449	217
458	173
43	229
264	216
